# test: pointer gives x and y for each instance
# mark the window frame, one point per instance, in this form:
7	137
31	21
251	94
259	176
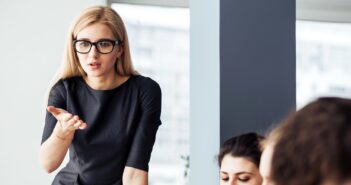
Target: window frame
166	3
324	10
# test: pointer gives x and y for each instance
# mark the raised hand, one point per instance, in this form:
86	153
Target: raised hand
67	122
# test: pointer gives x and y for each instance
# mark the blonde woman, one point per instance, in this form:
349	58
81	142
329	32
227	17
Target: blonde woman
100	108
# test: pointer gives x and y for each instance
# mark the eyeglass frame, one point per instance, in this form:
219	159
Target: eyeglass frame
114	43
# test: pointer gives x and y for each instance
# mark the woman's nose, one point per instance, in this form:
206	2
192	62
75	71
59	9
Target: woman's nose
93	51
232	182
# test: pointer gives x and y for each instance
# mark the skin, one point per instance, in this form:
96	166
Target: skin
54	149
100	77
239	170
104	77
265	164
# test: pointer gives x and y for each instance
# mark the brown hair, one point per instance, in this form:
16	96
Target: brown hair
245	145
315	144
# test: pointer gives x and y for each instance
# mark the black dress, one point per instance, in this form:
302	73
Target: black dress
122	125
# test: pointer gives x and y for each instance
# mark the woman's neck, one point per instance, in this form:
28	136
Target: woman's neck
105	82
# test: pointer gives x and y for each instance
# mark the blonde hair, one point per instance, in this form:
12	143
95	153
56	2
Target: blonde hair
97	14
71	67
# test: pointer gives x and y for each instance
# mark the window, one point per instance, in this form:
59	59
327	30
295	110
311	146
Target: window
159	40
323	55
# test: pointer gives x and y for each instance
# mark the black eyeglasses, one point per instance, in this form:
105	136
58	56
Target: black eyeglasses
104	46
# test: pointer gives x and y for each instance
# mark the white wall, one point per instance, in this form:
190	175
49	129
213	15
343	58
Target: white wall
32	38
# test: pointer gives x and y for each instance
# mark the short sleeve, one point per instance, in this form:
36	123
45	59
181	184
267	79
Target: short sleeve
57	98
140	152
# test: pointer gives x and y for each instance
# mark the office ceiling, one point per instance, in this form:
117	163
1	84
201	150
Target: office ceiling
315	10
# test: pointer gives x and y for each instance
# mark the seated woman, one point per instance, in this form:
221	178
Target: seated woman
267	146
314	147
239	160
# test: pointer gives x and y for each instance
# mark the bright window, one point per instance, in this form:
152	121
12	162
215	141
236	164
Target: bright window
323	55
159	40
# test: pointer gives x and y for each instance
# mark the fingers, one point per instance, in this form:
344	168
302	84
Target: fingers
83	126
67	120
64	117
80	125
74	123
59	114
71	122
55	111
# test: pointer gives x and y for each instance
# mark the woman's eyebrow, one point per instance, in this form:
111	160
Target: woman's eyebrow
96	40
83	39
239	173
244	172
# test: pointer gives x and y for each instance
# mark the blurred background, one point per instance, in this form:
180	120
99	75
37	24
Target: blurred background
165	46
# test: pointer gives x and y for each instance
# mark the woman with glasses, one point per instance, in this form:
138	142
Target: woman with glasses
239	160
100	108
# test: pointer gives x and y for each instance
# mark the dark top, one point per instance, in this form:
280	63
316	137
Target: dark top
122	124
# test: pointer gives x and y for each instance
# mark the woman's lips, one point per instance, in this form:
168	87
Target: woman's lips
94	65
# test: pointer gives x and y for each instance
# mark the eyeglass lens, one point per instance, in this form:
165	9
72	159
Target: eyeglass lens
103	46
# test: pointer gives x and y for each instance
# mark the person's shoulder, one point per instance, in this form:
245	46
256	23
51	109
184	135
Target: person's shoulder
148	89
58	89
58	85
145	82
64	84
71	80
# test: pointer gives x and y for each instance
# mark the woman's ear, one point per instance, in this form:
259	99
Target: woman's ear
120	50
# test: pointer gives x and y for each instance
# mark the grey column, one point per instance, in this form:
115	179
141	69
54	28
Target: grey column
242	74
257	66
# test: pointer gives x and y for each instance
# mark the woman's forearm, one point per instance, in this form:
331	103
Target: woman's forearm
133	176
53	150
